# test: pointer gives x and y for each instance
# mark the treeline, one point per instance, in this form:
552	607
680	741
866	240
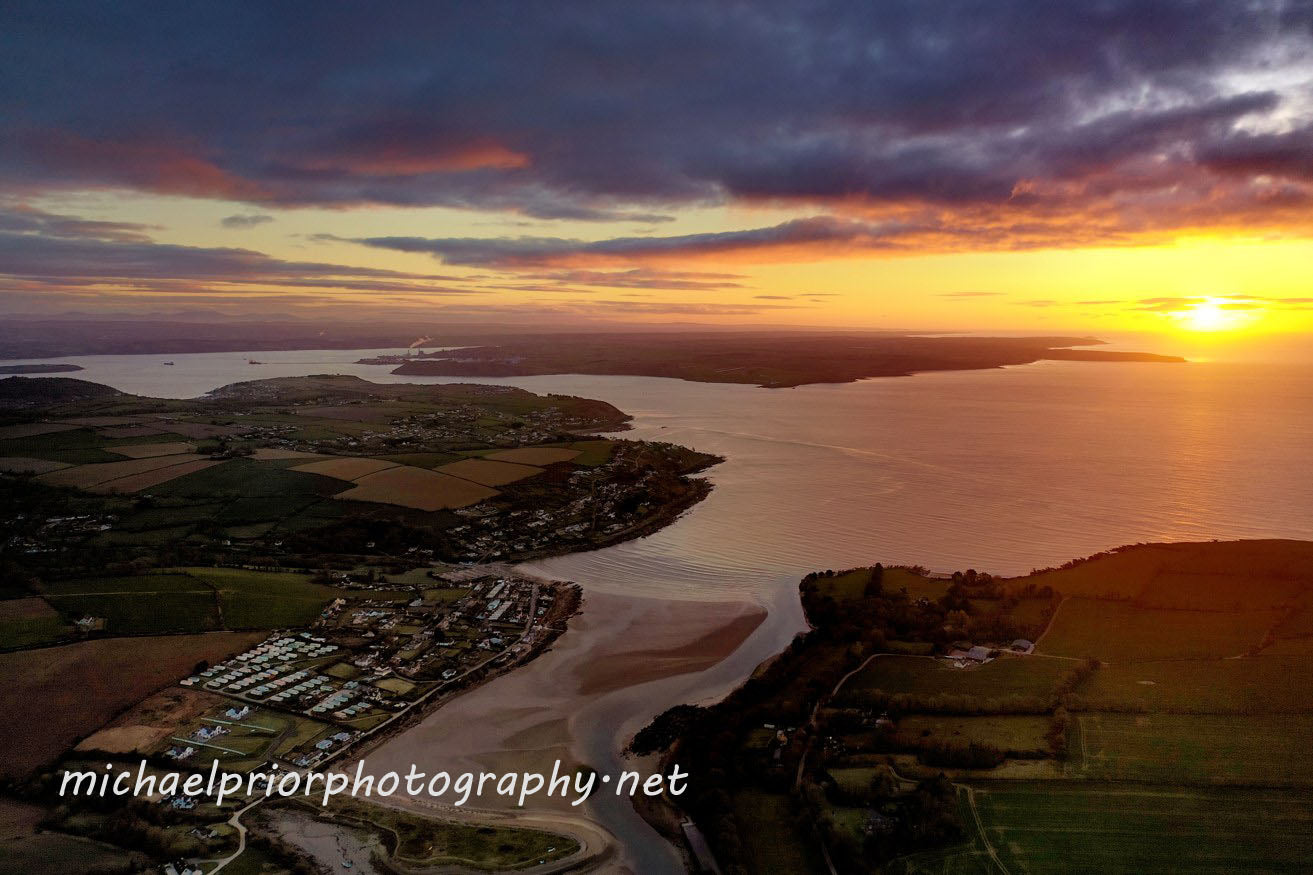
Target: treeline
710	742
898	823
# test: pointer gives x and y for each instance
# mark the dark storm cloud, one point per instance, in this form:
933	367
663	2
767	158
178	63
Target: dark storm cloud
589	111
527	251
240	222
45	250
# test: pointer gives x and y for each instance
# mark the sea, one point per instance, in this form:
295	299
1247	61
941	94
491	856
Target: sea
1002	470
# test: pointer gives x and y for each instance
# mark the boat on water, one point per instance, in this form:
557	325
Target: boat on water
253	362
168	363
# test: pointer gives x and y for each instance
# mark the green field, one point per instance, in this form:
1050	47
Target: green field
415	841
248	742
918	676
1118	632
1062	827
265	599
27	631
852	584
242	478
1231	575
592	453
1271	750
1007	732
1269	683
775	844
195	599
147	603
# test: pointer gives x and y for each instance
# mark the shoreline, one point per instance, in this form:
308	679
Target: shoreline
552	709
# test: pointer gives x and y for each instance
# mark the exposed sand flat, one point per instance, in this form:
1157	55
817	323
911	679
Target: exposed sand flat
572	703
273	454
21	465
147	479
32	429
534	455
634	667
418	488
86	476
487	472
346	468
543	711
146	451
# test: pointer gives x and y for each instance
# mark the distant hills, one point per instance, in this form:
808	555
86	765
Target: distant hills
773	360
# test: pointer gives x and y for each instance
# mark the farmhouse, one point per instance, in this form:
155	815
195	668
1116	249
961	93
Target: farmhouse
978	654
1021	645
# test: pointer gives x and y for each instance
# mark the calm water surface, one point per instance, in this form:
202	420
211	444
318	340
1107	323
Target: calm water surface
1002	470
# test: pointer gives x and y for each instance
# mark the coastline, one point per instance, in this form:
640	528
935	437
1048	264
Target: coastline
553	708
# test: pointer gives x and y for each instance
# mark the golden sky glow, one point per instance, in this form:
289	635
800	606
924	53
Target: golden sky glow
1196	283
1032	168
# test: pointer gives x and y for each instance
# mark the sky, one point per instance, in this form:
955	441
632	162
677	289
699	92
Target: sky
1099	166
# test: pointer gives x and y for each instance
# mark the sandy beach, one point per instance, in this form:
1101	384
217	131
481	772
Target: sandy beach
620	662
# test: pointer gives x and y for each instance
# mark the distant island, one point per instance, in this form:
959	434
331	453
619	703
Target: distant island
772	360
39	369
1127	711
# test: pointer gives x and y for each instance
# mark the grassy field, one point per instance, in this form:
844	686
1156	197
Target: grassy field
1062	827
593	453
418	488
489	473
1121	632
852	584
774	844
248	742
1024	732
142	604
1269	750
49	698
88	476
24	622
1269	683
346	468
242	478
28	465
535	455
416	841
194	600
265	599
1225	575
1006	676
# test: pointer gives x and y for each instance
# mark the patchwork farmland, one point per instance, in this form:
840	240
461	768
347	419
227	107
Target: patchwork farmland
289	470
1146	710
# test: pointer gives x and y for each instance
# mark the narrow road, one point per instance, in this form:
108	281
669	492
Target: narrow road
811	723
980	827
236	822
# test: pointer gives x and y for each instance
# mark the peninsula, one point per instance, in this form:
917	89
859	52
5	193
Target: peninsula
776	360
285	572
1131	710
